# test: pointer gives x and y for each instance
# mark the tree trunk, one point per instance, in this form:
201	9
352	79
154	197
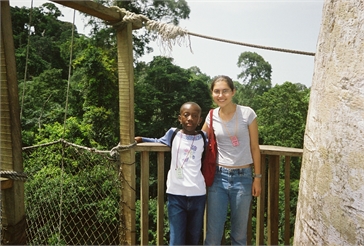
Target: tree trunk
330	209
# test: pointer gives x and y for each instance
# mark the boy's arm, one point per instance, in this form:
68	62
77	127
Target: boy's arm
164	140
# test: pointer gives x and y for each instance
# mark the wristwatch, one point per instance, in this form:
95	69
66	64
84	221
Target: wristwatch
257	176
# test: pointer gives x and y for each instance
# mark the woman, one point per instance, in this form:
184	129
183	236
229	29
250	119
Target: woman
236	132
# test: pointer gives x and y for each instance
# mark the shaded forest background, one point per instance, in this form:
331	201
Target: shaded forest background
42	50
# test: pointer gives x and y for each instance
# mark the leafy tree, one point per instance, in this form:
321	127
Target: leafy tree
168	11
95	81
199	89
152	212
160	90
90	197
256	76
282	115
282	119
47	33
44	100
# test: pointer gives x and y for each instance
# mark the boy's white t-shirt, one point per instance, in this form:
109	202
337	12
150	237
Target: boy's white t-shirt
186	152
186	155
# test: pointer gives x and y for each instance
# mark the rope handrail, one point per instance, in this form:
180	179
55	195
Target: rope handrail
13	175
111	152
170	34
254	45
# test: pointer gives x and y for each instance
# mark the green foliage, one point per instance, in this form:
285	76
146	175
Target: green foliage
47	33
160	89
73	131
168	11
152	231
256	76
92	113
282	115
44	100
81	188
292	207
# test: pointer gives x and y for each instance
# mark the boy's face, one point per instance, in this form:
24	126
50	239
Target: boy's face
190	118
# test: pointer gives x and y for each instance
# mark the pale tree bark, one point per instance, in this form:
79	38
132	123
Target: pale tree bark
330	209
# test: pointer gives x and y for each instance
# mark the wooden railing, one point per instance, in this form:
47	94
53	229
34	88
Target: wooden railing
271	158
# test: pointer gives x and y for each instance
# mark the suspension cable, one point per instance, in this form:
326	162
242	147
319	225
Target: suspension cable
64	127
26	59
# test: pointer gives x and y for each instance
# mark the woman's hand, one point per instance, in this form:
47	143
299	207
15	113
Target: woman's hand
257	187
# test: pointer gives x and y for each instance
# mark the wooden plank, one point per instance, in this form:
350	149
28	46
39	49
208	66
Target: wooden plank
250	227
12	199
127	131
108	14
6	157
278	150
160	198
144	198
261	204
93	8
152	147
264	149
6	183
287	190
273	199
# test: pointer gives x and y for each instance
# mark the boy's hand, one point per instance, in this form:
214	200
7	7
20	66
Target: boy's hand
138	139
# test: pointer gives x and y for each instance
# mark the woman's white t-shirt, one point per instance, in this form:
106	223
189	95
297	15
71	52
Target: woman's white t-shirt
228	154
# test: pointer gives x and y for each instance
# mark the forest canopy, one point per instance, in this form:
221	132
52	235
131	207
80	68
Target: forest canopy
42	50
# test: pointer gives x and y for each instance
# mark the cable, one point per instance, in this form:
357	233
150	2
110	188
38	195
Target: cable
26	59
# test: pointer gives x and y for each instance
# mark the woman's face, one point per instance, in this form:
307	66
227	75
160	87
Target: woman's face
222	93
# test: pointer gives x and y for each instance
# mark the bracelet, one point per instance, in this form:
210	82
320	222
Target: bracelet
257	176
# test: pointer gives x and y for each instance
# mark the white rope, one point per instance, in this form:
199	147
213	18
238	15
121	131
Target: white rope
168	34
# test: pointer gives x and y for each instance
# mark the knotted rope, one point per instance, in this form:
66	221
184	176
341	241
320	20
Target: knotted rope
13	175
114	152
168	34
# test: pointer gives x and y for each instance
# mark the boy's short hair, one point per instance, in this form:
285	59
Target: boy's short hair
191	103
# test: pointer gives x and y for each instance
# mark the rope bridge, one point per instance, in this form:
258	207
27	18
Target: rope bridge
73	193
89	196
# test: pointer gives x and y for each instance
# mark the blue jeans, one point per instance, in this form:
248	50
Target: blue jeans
234	187
185	215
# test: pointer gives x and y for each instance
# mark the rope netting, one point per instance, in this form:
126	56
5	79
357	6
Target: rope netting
73	193
89	198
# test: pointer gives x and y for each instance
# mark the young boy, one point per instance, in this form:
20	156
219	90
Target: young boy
186	190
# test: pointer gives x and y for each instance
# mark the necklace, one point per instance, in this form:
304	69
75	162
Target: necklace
179	169
233	138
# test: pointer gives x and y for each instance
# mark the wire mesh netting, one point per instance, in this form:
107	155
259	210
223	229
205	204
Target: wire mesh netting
72	196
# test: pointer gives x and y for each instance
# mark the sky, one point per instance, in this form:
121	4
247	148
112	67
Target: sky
286	24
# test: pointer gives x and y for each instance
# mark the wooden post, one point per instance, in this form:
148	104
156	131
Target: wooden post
261	205
273	199
160	208
287	196
144	198
11	146
127	132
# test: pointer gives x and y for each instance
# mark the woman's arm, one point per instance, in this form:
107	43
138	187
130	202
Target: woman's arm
255	150
205	128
